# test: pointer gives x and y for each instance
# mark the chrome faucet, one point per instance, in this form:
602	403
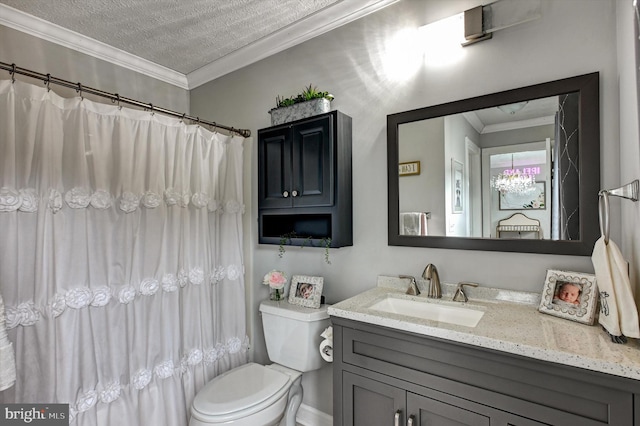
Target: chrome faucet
460	295
431	273
413	285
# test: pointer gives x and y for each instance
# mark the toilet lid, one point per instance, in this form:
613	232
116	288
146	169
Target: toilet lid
239	389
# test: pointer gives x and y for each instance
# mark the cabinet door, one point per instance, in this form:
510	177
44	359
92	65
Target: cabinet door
371	403
274	168
425	411
313	163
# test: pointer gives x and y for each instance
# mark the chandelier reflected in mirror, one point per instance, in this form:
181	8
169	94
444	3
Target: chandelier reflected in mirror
513	181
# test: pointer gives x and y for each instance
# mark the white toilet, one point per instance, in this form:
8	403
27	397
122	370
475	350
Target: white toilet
257	395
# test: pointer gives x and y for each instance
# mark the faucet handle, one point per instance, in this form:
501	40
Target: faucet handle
460	295
413	285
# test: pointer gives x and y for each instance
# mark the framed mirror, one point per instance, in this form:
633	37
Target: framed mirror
515	171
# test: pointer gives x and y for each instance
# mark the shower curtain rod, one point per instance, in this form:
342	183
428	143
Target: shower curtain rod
114	97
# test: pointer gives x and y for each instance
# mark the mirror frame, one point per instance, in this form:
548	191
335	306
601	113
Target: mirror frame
587	86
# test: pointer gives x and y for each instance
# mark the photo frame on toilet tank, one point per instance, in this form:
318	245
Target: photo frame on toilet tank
306	291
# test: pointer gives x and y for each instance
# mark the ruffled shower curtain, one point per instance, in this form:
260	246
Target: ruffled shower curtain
121	261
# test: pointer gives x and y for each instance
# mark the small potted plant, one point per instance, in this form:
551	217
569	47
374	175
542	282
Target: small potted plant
306	104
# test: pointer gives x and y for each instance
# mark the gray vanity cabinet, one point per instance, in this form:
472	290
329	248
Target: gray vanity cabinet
389	377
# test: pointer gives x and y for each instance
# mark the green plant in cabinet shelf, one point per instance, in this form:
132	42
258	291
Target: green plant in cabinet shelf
285	239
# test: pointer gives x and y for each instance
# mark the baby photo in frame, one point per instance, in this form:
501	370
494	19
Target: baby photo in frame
306	291
570	295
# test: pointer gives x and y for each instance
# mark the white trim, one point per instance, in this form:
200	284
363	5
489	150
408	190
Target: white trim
296	33
53	33
309	416
314	25
522	124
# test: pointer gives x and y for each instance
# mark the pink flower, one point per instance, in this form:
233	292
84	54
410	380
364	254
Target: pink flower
275	279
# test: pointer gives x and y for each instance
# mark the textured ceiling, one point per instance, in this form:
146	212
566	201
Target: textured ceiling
182	35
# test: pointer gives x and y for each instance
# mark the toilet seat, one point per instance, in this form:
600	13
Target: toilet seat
239	393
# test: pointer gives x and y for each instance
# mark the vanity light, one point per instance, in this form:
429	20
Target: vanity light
482	21
513	181
441	41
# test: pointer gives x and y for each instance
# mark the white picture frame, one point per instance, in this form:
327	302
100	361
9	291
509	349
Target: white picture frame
570	295
457	187
306	291
534	200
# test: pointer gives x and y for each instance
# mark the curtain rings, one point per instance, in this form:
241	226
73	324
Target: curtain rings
151	109
79	90
116	100
215	128
184	114
48	82
13	73
198	121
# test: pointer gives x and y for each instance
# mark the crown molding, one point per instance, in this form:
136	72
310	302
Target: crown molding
516	125
314	25
476	123
53	33
305	29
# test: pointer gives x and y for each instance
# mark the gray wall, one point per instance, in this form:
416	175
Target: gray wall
629	136
417	193
30	52
350	63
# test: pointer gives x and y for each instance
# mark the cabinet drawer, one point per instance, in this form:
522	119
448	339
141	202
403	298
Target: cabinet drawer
544	392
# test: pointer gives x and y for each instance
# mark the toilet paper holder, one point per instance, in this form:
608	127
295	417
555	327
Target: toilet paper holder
326	345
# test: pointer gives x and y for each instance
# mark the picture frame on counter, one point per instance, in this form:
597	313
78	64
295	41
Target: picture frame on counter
306	291
570	295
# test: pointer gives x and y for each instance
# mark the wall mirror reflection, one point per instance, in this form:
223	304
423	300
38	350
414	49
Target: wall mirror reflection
510	171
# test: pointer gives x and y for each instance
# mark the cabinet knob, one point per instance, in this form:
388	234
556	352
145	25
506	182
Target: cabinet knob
294	193
285	194
411	421
396	418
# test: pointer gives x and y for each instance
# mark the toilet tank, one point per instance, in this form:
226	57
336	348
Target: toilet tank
292	334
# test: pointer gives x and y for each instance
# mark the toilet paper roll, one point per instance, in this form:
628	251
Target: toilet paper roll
326	350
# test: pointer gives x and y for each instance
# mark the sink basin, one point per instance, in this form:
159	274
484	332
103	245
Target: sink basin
423	309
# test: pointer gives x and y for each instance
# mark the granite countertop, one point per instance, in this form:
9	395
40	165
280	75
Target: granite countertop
511	323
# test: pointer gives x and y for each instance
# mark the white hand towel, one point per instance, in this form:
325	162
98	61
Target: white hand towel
413	223
7	358
618	311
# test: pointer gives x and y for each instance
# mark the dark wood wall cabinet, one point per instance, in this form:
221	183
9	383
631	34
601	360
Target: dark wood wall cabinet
304	182
389	377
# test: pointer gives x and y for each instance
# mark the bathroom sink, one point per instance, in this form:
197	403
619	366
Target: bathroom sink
423	309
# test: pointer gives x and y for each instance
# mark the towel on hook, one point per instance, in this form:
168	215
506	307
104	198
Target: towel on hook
7	358
413	223
618	311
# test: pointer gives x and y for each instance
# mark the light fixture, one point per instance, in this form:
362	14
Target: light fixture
513	181
512	108
482	21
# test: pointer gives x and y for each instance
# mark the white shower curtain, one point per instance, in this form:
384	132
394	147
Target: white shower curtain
120	258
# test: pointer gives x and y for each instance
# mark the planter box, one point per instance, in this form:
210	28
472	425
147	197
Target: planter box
300	110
